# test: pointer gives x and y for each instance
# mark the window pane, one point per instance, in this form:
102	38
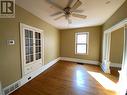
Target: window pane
31	58
82	38
26	33
81	49
27	59
27	51
37	35
31	42
27	41
31	34
38	42
31	50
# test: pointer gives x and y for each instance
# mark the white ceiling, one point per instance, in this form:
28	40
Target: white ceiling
97	11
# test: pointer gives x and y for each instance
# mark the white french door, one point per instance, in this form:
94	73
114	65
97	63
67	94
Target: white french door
32	48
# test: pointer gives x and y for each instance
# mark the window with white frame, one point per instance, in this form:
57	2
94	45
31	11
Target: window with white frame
81	42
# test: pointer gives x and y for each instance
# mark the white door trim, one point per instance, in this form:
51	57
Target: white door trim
22	27
107	43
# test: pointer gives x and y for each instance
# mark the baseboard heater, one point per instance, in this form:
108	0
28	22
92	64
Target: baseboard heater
11	88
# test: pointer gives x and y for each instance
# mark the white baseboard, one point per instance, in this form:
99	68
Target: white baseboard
32	75
80	60
117	65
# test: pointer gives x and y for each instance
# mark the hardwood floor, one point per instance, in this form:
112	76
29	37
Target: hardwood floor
114	71
67	78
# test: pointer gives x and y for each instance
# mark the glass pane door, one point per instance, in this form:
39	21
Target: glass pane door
29	46
37	45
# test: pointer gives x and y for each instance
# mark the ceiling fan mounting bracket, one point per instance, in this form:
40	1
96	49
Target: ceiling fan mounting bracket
67	10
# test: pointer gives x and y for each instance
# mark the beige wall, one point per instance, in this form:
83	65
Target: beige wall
116	50
119	15
67	43
10	59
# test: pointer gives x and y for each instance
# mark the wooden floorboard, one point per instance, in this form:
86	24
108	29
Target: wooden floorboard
66	78
114	71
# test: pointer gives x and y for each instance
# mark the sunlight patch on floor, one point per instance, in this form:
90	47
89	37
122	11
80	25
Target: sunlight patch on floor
104	81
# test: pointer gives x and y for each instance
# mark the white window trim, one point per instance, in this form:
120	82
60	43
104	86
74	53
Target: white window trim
87	51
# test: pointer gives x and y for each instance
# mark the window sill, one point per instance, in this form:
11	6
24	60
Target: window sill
81	53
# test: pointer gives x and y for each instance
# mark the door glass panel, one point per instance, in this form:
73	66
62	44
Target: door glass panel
27	59
31	34
26	33
38	45
31	58
31	42
31	50
29	45
39	55
27	50
26	41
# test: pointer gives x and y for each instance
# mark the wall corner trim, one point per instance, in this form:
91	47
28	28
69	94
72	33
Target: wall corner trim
80	60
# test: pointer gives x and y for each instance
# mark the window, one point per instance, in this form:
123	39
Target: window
81	42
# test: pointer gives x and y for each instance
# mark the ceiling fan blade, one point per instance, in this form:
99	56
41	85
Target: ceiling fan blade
55	4
69	3
79	16
57	13
78	11
59	17
76	5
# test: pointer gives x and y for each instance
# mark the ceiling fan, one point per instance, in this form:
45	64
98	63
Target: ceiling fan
68	11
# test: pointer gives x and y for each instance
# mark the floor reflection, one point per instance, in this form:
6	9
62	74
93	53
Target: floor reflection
79	78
